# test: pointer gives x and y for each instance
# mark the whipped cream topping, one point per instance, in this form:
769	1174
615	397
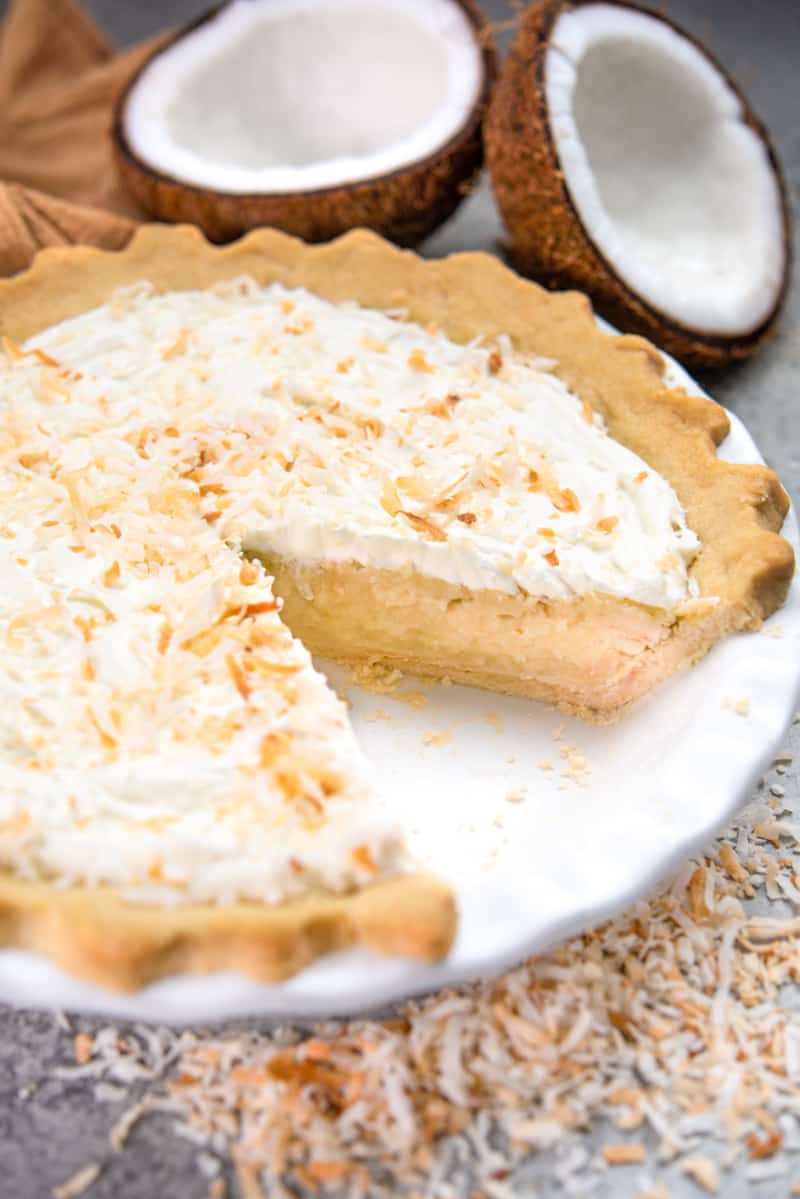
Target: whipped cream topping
160	729
353	435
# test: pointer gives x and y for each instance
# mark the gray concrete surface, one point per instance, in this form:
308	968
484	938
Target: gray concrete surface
49	1128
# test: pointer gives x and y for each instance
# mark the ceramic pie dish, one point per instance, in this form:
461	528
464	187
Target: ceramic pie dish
429	467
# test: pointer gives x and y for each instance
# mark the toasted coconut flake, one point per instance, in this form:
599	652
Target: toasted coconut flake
565	500
418	362
111	576
82	1048
424	526
165	637
107	738
607	524
624	1154
390	498
178	347
251	610
249	573
562	1041
363	858
703	1171
764	1147
79	1183
239	678
50	617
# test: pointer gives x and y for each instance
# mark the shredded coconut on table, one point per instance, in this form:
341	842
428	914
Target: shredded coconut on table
666	1029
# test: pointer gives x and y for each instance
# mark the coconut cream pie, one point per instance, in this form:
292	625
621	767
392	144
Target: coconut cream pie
434	466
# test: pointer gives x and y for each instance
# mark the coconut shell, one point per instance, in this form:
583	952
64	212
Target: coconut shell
404	206
548	239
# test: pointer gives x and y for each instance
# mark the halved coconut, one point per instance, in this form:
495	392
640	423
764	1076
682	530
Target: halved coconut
310	115
627	163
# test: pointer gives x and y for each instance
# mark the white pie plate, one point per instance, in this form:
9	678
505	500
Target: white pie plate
529	873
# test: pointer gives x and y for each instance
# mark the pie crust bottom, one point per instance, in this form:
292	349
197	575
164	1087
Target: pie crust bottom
95	935
592	656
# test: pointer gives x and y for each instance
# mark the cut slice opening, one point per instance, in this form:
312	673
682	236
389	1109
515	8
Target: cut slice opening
669	178
297	95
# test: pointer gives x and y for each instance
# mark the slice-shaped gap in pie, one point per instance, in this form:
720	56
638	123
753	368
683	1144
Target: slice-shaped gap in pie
459	476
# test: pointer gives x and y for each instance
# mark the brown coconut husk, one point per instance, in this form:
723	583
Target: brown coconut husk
548	239
404	206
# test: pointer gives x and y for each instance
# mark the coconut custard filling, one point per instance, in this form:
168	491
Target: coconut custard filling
161	730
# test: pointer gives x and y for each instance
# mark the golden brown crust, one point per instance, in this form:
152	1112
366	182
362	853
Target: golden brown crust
96	935
404	205
548	239
735	510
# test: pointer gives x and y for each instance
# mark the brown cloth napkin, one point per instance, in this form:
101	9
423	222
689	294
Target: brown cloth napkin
58	83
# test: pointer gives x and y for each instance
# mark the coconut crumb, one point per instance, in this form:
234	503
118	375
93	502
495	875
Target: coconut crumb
79	1183
576	765
742	706
734	868
516	794
670	1017
414	699
437	740
125	1124
764	1147
624	1154
82	1048
703	1171
376	677
495	720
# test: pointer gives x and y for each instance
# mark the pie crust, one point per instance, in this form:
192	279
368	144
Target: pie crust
96	935
736	512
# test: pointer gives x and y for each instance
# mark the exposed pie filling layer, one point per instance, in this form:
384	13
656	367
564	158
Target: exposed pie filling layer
160	729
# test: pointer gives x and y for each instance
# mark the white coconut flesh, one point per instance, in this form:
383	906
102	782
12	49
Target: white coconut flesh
285	96
672	186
